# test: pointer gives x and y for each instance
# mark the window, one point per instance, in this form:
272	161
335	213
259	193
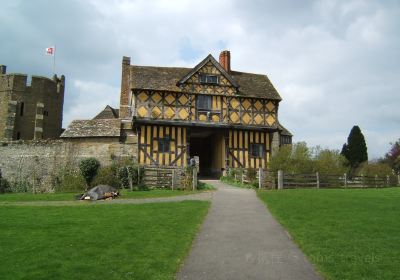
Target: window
286	140
256	150
21	109
208	79
204	102
163	145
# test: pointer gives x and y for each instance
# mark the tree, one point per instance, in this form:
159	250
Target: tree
375	168
355	150
329	162
345	150
392	158
294	158
88	168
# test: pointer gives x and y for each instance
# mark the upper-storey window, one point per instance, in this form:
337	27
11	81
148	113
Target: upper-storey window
208	79
204	102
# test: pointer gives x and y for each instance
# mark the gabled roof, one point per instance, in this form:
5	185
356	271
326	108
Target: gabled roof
284	130
93	128
156	78
211	59
107	113
167	78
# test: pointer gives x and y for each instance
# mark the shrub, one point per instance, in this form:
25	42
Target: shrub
372	169
107	176
89	168
205	186
129	174
20	186
69	181
4	186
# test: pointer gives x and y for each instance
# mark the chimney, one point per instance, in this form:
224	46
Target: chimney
3	69
225	60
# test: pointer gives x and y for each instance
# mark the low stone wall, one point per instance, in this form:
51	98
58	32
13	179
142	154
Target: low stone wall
38	161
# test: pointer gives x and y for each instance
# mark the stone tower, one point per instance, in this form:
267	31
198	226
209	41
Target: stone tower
30	111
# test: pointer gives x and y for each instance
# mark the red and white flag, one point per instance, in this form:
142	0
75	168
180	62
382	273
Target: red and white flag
50	50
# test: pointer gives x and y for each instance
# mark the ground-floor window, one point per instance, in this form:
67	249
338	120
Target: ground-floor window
163	145
256	150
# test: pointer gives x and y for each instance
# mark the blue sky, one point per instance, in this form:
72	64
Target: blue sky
335	63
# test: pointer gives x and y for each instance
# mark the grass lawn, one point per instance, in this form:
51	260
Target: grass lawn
347	234
146	241
12	197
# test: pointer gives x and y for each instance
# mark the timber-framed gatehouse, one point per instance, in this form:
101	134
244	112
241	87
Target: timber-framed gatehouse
226	118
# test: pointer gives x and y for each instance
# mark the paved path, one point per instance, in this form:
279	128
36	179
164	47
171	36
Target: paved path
241	240
198	196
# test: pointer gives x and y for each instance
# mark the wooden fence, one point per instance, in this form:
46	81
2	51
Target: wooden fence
316	180
267	180
171	178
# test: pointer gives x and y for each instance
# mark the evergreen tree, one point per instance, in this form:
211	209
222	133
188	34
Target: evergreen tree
345	150
355	150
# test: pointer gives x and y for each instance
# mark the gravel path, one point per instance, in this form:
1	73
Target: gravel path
239	239
200	196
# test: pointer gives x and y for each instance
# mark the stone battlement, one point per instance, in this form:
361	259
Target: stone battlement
30	110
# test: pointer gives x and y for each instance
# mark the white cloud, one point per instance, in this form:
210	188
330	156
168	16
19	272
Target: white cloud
335	63
89	98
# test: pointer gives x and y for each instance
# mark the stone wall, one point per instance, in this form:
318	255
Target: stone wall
37	162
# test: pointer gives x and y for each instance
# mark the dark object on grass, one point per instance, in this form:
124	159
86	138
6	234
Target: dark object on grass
100	192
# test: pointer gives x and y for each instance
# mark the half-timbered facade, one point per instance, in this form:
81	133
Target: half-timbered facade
226	118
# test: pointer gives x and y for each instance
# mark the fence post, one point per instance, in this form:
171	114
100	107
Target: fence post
129	178
376	181
317	174
387	180
173	179
345	180
195	178
138	175
280	180
260	177
398	179
241	175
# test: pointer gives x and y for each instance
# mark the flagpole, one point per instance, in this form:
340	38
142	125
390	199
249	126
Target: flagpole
54	61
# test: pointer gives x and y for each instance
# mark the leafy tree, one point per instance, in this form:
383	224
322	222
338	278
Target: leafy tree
298	158
355	150
294	158
392	158
329	162
89	168
281	159
375	168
